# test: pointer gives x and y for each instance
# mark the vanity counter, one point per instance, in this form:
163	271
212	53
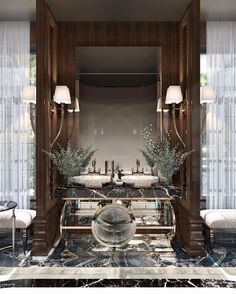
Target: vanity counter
111	192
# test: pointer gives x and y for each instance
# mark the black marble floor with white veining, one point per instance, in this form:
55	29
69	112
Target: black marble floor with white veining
143	251
169	283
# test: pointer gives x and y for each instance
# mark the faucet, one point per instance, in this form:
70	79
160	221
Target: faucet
137	170
94	168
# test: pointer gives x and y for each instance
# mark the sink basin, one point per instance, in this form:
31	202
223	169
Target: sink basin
91	181
140	181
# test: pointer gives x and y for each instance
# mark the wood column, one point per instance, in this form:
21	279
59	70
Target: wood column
189	222
47	207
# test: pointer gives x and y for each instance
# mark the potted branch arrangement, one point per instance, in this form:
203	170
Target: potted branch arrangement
162	156
70	162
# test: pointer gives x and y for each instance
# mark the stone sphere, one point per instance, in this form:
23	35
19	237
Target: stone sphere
113	226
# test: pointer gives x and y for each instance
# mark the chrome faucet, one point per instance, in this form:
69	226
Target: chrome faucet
94	168
137	170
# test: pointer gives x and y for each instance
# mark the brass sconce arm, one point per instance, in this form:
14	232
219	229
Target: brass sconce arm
61	124
175	127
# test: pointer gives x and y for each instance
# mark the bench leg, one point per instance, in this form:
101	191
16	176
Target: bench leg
207	238
24	237
212	239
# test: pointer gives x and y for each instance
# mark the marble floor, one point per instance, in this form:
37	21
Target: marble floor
141	251
86	283
147	261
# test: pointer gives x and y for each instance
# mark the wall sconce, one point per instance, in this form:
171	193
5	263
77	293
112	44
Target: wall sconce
28	95
76	108
174	96
160	110
73	110
206	94
61	96
160	106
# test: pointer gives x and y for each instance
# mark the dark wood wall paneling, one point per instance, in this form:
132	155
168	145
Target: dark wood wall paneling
33	34
47	207
189	222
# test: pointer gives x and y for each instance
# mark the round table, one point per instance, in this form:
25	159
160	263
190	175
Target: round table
4	206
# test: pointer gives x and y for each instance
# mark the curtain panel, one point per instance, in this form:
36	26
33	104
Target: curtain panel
220	181
16	136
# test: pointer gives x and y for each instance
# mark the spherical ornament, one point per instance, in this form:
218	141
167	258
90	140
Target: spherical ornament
113	226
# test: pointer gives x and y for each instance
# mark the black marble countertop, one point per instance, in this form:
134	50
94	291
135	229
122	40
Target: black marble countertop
112	191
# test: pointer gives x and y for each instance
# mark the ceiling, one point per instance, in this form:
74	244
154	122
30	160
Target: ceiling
218	10
17	10
127	59
117	10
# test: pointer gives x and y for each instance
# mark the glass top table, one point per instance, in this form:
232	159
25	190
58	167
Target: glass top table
5	206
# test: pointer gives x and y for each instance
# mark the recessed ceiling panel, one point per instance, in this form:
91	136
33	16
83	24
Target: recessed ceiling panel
118	59
118	66
118	10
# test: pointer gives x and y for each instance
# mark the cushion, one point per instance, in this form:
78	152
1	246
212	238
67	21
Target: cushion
219	218
24	218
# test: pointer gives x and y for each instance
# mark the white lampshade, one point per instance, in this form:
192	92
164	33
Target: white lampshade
159	105
174	95
206	94
28	94
62	95
77	109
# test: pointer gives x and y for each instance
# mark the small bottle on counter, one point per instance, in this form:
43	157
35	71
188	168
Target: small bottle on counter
106	167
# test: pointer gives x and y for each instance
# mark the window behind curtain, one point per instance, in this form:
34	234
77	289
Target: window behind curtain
220	120
16	136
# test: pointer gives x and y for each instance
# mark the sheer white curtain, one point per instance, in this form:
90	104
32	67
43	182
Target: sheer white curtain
15	128
221	115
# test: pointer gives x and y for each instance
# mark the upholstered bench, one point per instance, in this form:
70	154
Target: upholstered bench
24	219
219	221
